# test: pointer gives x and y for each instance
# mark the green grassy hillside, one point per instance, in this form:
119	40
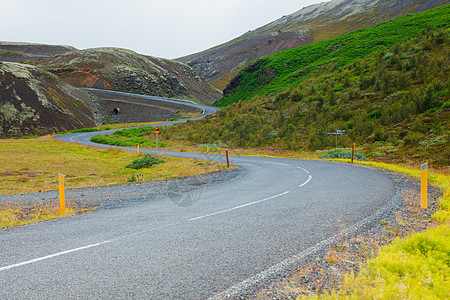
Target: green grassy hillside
270	74
394	104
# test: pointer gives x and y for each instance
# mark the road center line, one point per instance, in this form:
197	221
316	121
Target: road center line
52	255
306	182
238	207
275	163
307	172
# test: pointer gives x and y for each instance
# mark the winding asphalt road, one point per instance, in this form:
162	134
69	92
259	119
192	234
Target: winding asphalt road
230	233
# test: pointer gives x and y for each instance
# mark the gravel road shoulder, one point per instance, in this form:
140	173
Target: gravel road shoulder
113	196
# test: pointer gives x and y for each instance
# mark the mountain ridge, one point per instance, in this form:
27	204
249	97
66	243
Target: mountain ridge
292	66
218	65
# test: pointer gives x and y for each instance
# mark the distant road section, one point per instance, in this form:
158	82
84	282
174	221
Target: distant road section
135	108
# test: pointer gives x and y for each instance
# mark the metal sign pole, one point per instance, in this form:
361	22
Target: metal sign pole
336	134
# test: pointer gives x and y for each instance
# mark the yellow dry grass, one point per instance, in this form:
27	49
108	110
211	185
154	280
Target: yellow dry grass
33	165
28	215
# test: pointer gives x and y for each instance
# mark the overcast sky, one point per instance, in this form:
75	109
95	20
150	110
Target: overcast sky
162	28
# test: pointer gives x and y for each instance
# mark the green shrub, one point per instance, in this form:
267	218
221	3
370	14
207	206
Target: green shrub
83	130
127	138
134	132
146	161
413	138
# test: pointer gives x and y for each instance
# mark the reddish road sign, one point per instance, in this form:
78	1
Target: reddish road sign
157	130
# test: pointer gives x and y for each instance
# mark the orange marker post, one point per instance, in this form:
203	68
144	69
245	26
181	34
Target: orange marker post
137	149
424	186
62	196
228	160
157	131
353	152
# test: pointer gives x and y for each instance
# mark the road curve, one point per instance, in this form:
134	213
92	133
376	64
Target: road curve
228	233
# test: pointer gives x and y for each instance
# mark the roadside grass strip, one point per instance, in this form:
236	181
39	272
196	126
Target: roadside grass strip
12	217
415	267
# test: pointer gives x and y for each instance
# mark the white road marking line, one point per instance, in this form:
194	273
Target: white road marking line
51	256
303	169
307	172
275	163
238	207
306	182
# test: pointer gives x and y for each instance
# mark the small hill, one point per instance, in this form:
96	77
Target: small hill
127	71
311	24
34	102
19	51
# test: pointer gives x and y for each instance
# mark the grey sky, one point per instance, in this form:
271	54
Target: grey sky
163	28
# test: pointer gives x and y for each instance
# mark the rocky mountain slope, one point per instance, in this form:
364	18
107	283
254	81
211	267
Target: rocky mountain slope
393	103
311	24
34	102
127	71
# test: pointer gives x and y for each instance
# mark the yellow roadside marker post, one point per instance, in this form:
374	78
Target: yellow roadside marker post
424	186
137	149
207	148
62	196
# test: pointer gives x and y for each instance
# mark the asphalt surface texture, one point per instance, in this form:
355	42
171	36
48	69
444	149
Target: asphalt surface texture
214	237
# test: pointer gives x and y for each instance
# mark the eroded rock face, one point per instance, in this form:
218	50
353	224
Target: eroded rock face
34	102
126	71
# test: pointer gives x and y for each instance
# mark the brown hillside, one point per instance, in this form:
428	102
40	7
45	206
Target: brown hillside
126	71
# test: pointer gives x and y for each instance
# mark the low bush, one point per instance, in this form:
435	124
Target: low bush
124	142
83	130
146	161
134	132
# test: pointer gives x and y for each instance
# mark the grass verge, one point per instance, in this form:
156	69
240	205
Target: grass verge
32	165
37	163
11	217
